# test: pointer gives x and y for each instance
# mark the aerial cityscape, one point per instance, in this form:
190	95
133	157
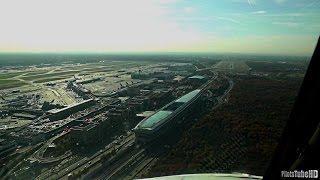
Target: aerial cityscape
122	119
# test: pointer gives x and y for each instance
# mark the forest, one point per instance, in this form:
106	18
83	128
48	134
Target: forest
239	136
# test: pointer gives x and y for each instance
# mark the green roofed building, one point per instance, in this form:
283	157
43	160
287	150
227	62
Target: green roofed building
173	113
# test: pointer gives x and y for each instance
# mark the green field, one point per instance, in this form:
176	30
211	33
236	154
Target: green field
7	81
36	72
10	83
43	80
41	76
10	75
97	70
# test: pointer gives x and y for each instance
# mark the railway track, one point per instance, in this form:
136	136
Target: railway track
95	160
113	168
142	168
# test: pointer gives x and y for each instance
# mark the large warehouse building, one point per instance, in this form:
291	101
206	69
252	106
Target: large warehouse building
173	113
57	114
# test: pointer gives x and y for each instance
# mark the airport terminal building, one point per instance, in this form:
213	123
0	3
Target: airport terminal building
57	114
172	114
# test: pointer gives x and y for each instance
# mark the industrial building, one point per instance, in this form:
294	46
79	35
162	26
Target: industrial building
173	113
57	114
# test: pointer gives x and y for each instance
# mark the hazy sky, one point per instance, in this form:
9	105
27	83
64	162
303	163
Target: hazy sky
242	26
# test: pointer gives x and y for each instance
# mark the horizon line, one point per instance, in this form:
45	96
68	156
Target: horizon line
147	53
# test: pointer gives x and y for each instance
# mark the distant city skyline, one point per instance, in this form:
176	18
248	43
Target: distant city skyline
232	26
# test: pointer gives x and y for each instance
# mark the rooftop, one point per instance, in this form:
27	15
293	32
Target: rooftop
155	119
53	111
160	116
196	77
188	96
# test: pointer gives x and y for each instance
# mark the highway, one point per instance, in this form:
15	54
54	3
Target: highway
222	98
38	155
